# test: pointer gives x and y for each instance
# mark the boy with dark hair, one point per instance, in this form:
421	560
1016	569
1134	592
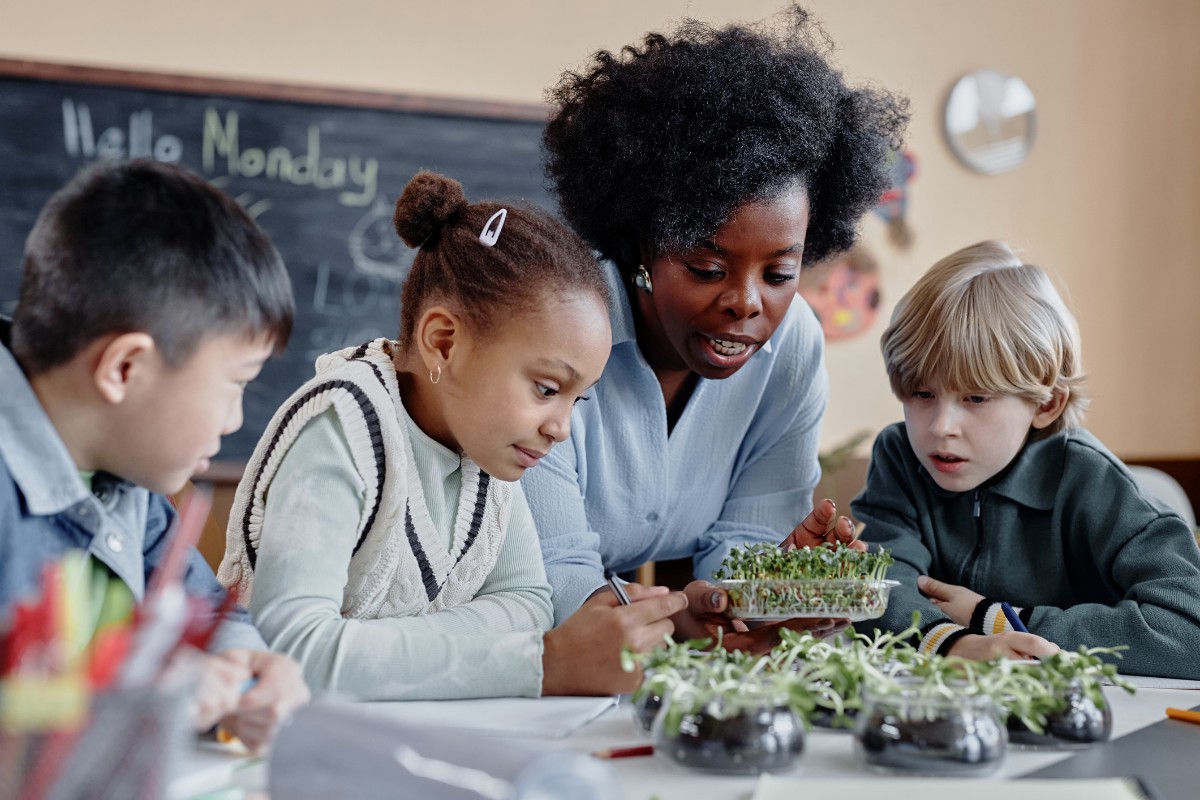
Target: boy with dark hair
148	301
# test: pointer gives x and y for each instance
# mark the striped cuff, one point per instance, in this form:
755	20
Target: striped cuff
940	637
989	618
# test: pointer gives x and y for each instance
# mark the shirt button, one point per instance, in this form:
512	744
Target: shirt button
114	542
652	516
82	511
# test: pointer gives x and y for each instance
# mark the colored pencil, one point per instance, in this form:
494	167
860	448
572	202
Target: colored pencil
1184	715
625	752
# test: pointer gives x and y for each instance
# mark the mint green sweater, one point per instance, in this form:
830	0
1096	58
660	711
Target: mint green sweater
488	647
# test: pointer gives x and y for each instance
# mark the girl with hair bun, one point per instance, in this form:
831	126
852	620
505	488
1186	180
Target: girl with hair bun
379	535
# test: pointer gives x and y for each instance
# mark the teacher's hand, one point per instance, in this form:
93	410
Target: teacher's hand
704	618
819	528
582	656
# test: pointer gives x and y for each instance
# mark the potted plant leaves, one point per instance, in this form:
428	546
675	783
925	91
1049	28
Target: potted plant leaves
835	672
765	582
1058	703
722	712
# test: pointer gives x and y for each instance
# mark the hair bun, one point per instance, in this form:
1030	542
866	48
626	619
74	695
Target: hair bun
428	202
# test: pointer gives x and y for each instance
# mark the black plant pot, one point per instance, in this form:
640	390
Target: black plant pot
912	734
747	742
828	720
646	708
1079	723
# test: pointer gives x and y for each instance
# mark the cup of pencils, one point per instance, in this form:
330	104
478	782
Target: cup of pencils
94	692
123	747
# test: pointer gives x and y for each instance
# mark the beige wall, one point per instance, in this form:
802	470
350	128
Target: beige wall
1109	200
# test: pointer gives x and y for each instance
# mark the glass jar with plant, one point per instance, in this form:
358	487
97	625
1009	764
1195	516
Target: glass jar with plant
721	711
1058	703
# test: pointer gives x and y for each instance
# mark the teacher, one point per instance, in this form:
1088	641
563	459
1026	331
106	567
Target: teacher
707	167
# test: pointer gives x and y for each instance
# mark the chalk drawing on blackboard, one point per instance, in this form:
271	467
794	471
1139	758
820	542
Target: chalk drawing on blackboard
375	247
255	208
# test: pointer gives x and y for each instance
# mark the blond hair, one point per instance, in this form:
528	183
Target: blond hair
981	319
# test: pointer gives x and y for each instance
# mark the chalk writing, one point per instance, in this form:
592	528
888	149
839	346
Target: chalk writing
80	139
279	164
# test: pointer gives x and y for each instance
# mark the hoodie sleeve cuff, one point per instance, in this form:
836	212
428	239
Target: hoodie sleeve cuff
940	637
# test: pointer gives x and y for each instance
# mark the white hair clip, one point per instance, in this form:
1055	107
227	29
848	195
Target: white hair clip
489	235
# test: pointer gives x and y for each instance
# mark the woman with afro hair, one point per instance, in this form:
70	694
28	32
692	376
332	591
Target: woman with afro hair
708	167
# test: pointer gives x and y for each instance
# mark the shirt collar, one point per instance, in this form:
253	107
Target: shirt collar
36	456
1027	480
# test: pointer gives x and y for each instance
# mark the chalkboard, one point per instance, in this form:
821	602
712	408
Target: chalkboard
319	169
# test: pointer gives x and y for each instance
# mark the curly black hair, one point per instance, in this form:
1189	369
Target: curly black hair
659	146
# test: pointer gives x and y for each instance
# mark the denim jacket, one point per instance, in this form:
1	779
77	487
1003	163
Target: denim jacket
46	509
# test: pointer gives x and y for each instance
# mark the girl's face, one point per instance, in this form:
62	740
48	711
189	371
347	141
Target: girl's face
964	439
715	305
506	397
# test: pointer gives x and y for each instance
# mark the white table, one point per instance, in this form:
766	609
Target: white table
827	754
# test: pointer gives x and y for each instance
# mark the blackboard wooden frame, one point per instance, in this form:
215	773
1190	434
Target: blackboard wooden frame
462	118
319	95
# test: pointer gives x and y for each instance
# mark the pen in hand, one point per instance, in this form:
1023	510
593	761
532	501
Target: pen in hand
616	587
1013	619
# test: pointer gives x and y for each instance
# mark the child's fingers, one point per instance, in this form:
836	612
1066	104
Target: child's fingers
1030	645
935	590
647	637
637	592
652	609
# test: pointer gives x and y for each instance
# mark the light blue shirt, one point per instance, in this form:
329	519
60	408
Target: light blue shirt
739	466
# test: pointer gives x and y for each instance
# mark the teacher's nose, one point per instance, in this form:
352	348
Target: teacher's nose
742	301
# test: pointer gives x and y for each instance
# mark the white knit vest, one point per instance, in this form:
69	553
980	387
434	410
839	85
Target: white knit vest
400	566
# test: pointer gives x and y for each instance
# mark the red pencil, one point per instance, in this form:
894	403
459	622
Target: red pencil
625	752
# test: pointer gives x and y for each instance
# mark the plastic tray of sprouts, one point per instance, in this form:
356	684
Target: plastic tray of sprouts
765	582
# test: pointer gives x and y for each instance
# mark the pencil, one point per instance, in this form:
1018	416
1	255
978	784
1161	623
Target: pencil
616	587
625	752
1184	715
1013	619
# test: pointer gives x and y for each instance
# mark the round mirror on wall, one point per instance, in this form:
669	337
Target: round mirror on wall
990	120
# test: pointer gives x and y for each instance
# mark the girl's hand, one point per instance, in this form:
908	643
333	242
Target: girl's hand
1019	646
705	616
819	527
279	690
582	656
956	602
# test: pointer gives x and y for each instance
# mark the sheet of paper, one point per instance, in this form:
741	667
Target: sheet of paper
544	717
773	788
1148	682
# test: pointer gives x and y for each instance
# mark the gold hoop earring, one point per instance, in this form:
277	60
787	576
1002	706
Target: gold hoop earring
435	378
641	279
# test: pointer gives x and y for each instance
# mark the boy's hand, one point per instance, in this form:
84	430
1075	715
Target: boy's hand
583	655
705	616
279	690
218	689
1019	646
819	527
956	602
